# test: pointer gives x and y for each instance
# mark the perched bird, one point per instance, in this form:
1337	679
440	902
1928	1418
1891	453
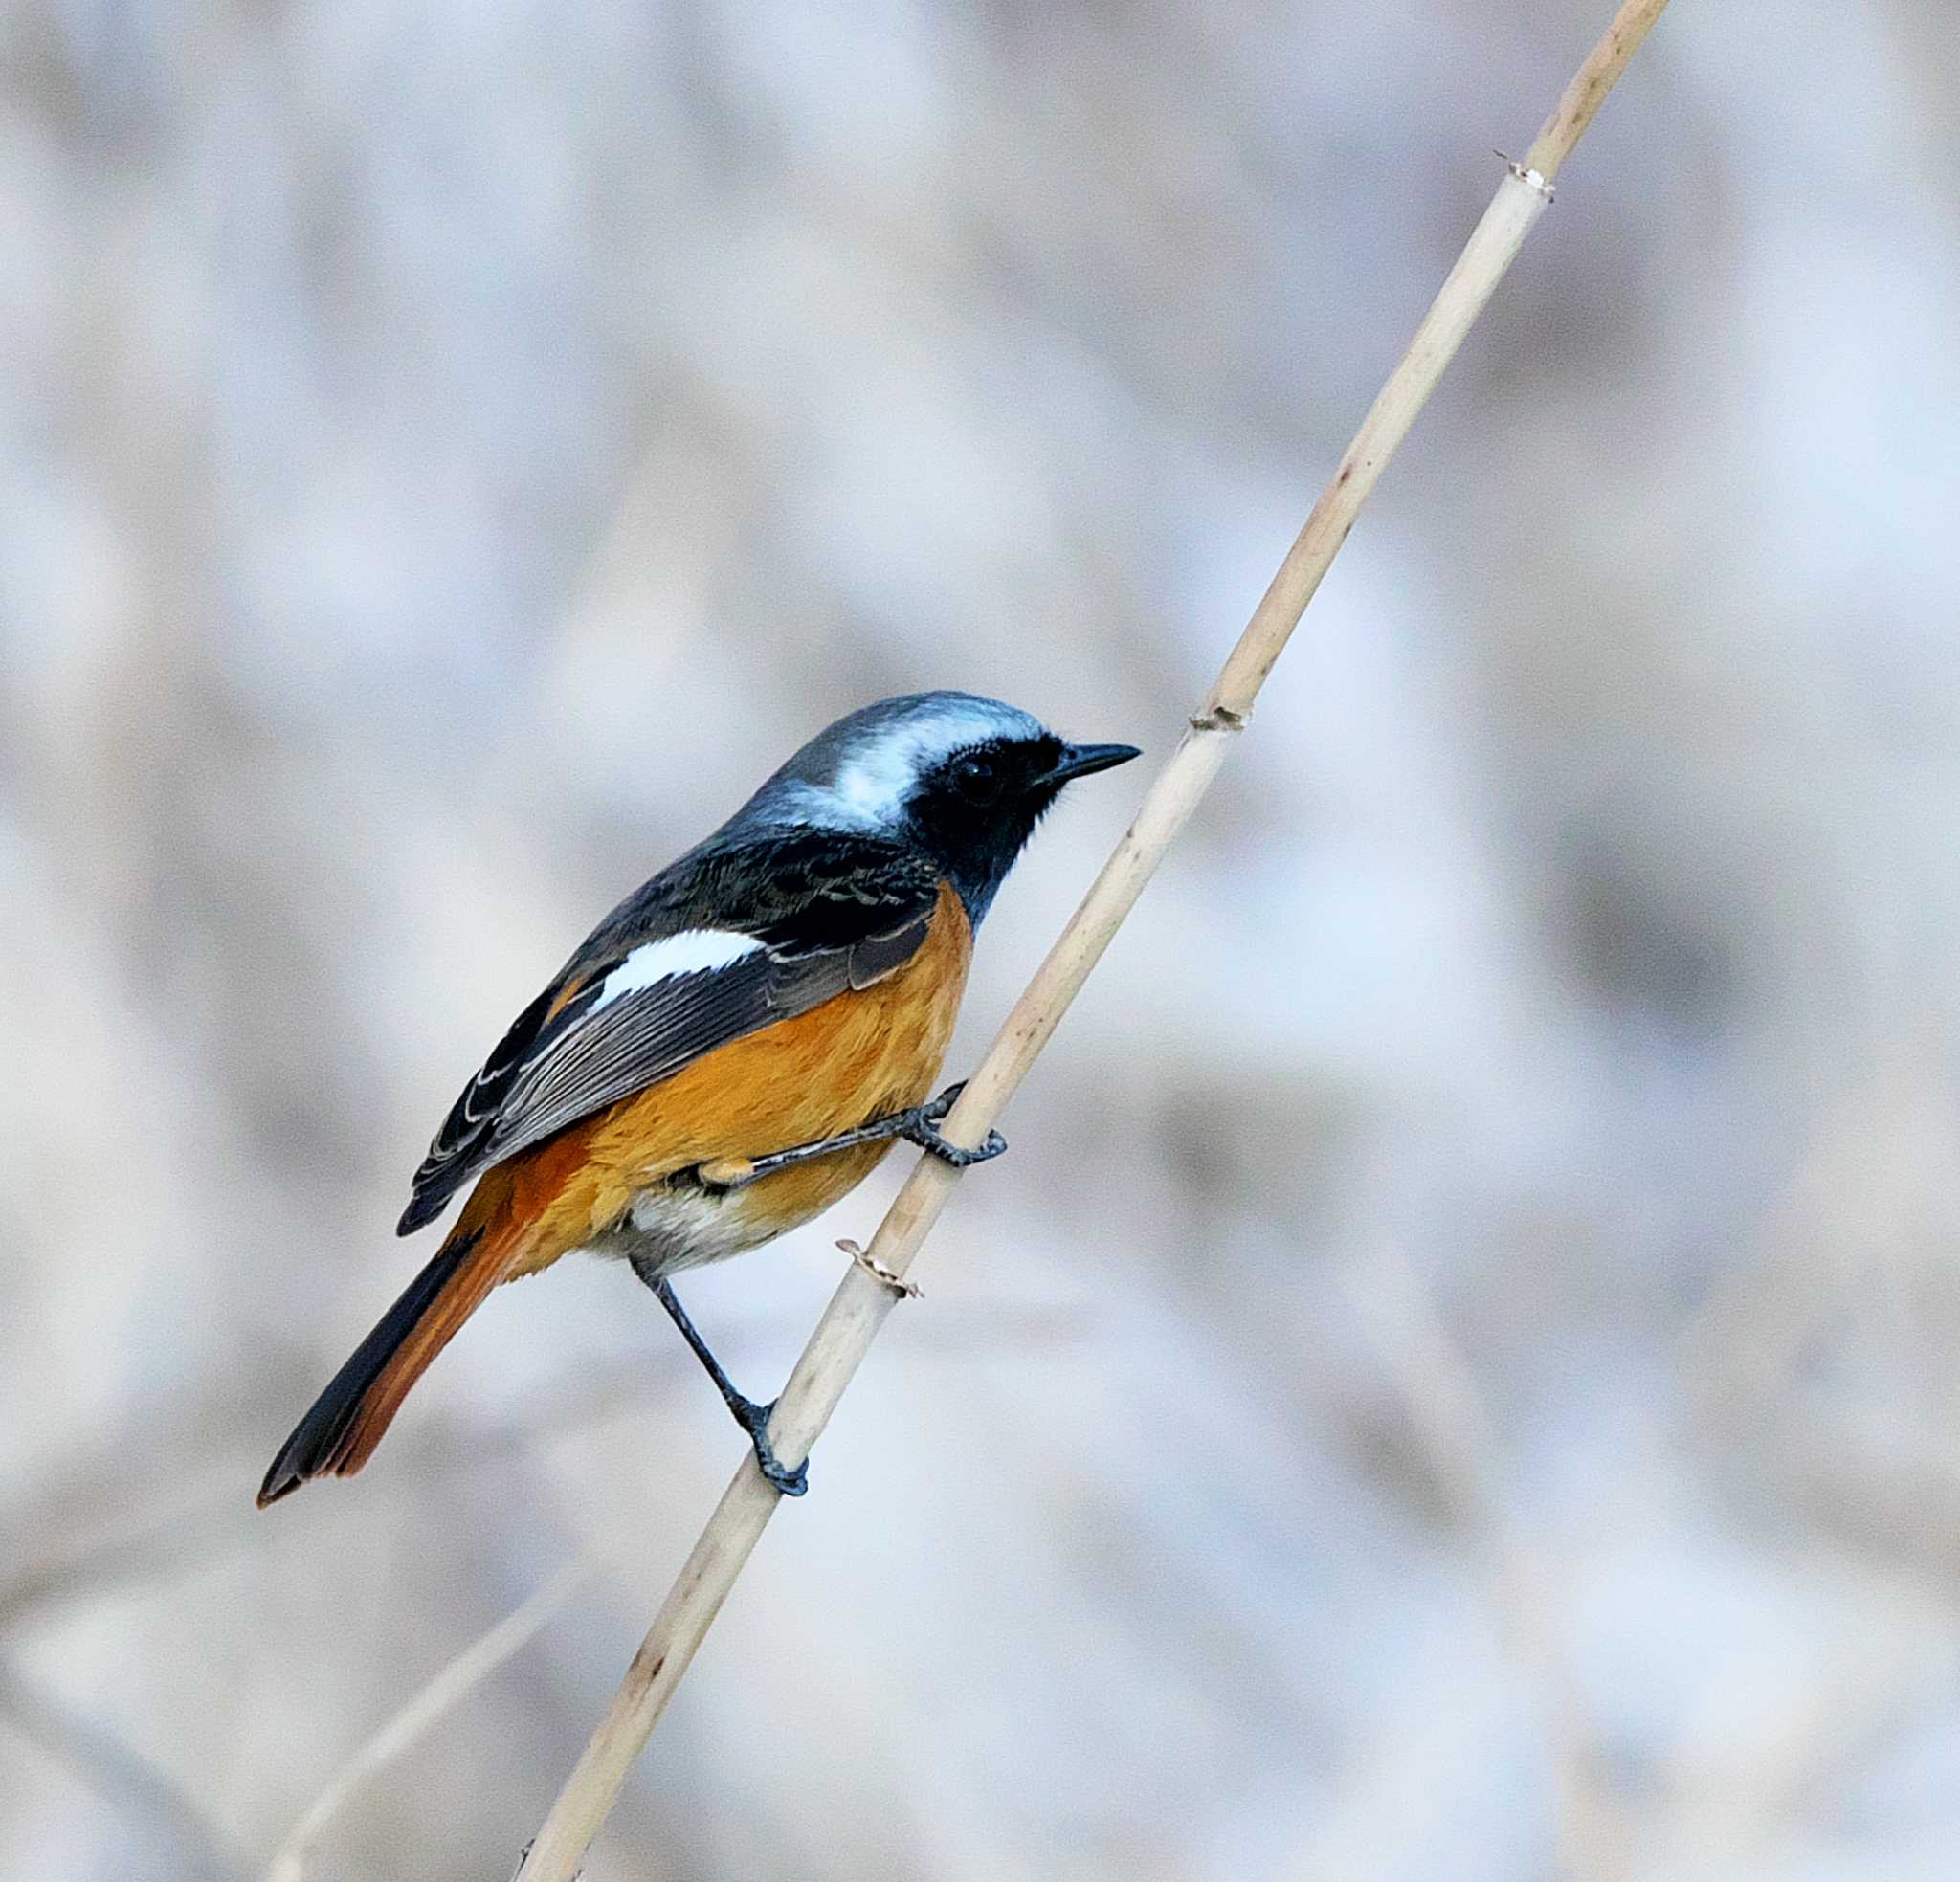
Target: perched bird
733	1049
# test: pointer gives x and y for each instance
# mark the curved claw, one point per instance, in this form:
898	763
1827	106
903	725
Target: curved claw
926	1135
789	1483
756	1419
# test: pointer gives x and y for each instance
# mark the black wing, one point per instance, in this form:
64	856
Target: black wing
798	918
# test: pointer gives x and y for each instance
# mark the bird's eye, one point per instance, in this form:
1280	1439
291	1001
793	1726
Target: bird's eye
978	778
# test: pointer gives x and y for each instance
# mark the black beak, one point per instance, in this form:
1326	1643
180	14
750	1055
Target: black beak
1079	760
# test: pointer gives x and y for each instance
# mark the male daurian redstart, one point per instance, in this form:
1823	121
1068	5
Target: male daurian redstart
733	1048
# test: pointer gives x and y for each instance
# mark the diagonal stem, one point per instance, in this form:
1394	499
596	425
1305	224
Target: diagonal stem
859	1306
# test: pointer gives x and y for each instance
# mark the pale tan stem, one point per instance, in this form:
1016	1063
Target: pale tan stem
397	1734
1591	83
858	1307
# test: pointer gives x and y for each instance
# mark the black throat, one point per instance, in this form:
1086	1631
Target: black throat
974	813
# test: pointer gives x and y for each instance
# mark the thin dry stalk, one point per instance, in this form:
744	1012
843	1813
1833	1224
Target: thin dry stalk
1453	1425
120	1774
480	1658
859	1306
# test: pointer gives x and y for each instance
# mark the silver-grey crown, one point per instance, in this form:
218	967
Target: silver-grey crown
857	773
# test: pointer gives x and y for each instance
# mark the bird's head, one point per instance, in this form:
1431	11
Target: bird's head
962	777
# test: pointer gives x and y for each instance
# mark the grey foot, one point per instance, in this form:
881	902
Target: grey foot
924	1131
754	1419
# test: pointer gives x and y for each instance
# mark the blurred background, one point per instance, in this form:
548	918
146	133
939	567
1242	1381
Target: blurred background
1458	1376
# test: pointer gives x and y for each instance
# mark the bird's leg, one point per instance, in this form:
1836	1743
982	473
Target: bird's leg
725	1173
753	1418
918	1123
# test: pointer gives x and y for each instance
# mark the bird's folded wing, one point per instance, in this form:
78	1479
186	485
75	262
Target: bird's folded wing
645	998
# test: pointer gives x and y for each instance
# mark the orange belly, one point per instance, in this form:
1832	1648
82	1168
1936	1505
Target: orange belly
603	1182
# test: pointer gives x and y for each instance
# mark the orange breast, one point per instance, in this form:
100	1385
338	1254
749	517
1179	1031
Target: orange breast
854	1058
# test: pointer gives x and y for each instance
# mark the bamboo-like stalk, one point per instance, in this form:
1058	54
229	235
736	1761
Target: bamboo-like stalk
858	1308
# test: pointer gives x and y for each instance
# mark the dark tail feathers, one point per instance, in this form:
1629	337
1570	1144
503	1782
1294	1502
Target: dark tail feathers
338	1435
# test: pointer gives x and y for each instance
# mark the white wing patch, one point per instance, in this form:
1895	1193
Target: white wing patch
692	951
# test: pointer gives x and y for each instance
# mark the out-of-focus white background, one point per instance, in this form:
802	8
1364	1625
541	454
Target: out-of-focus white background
1460	1375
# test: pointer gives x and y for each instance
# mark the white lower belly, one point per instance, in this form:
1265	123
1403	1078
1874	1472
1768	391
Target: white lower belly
670	1227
